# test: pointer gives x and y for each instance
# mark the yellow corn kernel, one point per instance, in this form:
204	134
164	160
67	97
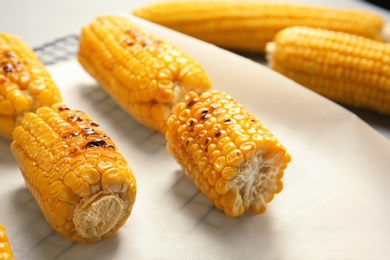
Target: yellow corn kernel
5	249
145	75
25	85
82	183
249	25
349	69
237	177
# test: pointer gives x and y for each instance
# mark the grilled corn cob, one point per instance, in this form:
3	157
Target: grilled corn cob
25	85
349	69
145	75
82	183
229	155
249	25
5	249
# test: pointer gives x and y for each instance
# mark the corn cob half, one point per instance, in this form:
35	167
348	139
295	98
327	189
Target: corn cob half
349	69
145	75
25	85
5	249
82	183
229	155
249	25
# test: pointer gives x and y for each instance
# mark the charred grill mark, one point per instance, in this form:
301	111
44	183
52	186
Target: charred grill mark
63	108
98	143
7	68
192	102
191	123
227	120
204	114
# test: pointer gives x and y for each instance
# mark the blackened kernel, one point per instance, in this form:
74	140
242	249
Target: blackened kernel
63	108
96	143
227	120
204	114
7	68
94	124
218	134
192	102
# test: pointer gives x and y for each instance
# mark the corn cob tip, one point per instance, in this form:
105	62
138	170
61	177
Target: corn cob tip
346	68
5	249
25	84
144	74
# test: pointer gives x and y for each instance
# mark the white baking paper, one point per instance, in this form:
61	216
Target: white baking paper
335	204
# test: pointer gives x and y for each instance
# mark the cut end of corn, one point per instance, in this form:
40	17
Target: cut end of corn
349	69
229	155
386	33
25	85
82	183
96	216
5	249
145	75
249	25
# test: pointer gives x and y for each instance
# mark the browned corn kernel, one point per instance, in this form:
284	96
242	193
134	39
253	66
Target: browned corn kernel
82	183
229	155
25	85
248	25
5	249
145	75
349	69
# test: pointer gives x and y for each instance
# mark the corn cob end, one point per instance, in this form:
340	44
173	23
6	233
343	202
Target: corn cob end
82	183
236	162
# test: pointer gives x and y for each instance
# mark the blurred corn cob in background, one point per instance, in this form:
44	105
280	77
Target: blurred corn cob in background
145	75
229	155
349	69
5	248
82	183
25	85
248	25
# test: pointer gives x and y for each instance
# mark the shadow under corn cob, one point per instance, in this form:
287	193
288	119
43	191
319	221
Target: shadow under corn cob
25	85
229	155
82	183
248	25
349	69
5	248
145	75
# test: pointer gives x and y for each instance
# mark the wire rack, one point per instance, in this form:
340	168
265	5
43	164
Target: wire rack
58	50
